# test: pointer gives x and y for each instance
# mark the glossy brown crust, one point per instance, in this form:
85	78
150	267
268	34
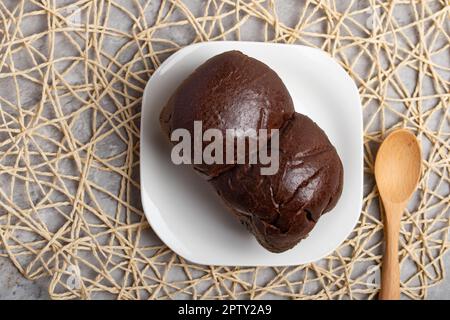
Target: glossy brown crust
233	91
229	91
281	209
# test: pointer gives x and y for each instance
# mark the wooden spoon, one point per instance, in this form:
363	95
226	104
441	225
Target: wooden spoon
397	172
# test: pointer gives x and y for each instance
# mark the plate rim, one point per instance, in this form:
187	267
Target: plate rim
148	205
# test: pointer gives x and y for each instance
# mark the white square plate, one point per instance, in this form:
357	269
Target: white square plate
184	210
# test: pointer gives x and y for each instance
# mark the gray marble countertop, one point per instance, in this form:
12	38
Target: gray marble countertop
14	286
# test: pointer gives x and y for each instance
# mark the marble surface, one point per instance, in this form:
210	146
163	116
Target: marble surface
14	286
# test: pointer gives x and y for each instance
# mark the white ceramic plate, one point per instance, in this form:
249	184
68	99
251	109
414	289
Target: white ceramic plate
184	210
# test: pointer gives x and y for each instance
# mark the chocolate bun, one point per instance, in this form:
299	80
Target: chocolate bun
281	209
234	91
229	91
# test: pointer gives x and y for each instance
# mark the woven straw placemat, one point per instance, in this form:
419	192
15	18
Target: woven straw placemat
72	75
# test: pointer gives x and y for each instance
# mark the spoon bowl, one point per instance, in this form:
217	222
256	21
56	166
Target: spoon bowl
397	167
397	172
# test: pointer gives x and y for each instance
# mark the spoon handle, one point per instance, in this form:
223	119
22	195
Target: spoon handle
390	271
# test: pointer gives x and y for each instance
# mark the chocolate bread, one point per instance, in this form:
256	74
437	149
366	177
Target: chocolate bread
229	91
234	91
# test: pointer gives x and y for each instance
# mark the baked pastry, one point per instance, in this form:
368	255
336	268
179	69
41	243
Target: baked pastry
229	91
234	91
281	209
